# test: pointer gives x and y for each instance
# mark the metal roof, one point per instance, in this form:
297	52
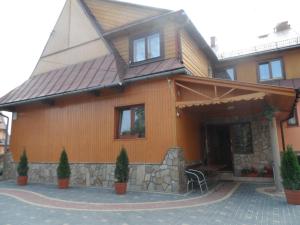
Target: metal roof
85	76
292	83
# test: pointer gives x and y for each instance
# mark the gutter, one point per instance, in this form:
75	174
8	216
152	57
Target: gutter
181	70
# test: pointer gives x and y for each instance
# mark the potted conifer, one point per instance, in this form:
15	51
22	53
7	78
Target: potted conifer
23	169
63	170
121	172
290	172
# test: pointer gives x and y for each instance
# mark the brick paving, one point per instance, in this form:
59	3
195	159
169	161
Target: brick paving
29	197
245	206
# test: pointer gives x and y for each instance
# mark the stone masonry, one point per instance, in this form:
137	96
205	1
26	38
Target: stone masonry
262	154
9	167
165	177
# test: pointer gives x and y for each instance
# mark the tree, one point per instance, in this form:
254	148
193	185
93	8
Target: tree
63	169
122	168
23	164
290	170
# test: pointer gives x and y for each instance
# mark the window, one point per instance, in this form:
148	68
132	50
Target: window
131	122
293	121
146	48
270	70
230	73
241	135
226	73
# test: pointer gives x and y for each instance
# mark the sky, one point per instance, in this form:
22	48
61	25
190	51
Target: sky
26	26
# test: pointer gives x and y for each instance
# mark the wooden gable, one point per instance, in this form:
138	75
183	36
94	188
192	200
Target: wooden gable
112	14
74	39
193	57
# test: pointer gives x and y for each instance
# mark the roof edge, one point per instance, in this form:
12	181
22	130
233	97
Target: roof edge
125	82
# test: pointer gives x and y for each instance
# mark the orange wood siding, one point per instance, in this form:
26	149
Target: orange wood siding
189	136
291	133
292	64
85	126
193	58
111	15
246	69
169	30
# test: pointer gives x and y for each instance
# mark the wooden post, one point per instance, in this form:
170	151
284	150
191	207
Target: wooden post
275	154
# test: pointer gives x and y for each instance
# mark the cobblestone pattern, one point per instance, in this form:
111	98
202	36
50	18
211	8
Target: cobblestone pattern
262	153
165	177
222	191
244	207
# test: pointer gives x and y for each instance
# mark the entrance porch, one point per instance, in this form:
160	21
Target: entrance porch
232	126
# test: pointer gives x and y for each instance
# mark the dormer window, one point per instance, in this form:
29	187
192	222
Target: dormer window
146	48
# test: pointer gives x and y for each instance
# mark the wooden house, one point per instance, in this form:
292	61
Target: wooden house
116	74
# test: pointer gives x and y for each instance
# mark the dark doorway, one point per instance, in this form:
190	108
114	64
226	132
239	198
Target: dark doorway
219	146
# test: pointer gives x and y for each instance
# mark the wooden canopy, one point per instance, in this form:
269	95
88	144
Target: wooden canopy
215	97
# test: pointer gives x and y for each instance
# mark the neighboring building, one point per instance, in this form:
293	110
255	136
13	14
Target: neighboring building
116	74
2	135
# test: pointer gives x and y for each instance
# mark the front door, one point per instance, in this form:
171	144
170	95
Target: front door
219	146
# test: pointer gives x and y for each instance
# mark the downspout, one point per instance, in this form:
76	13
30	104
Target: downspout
290	116
6	132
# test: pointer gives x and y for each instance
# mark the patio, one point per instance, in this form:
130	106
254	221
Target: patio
228	203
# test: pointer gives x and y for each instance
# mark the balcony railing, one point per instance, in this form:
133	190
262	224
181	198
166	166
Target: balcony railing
261	48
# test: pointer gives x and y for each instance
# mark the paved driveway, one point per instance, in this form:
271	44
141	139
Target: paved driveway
228	204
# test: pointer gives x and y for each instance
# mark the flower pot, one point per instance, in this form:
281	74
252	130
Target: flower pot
292	196
252	175
63	183
120	188
22	180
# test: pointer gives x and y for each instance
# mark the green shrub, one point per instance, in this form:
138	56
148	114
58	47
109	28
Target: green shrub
290	170
122	168
23	164
63	169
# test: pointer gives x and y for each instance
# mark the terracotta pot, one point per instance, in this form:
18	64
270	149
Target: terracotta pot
22	180
120	188
292	196
63	183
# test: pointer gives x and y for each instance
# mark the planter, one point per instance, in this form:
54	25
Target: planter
63	183
22	180
292	196
252	175
120	188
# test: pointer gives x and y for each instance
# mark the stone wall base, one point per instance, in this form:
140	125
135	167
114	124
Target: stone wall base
165	177
9	167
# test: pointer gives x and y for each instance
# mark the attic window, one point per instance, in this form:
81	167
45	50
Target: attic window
146	47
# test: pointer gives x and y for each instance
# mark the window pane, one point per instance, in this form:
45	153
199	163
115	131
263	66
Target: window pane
264	71
139	51
230	73
153	46
125	122
276	69
139	121
293	120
